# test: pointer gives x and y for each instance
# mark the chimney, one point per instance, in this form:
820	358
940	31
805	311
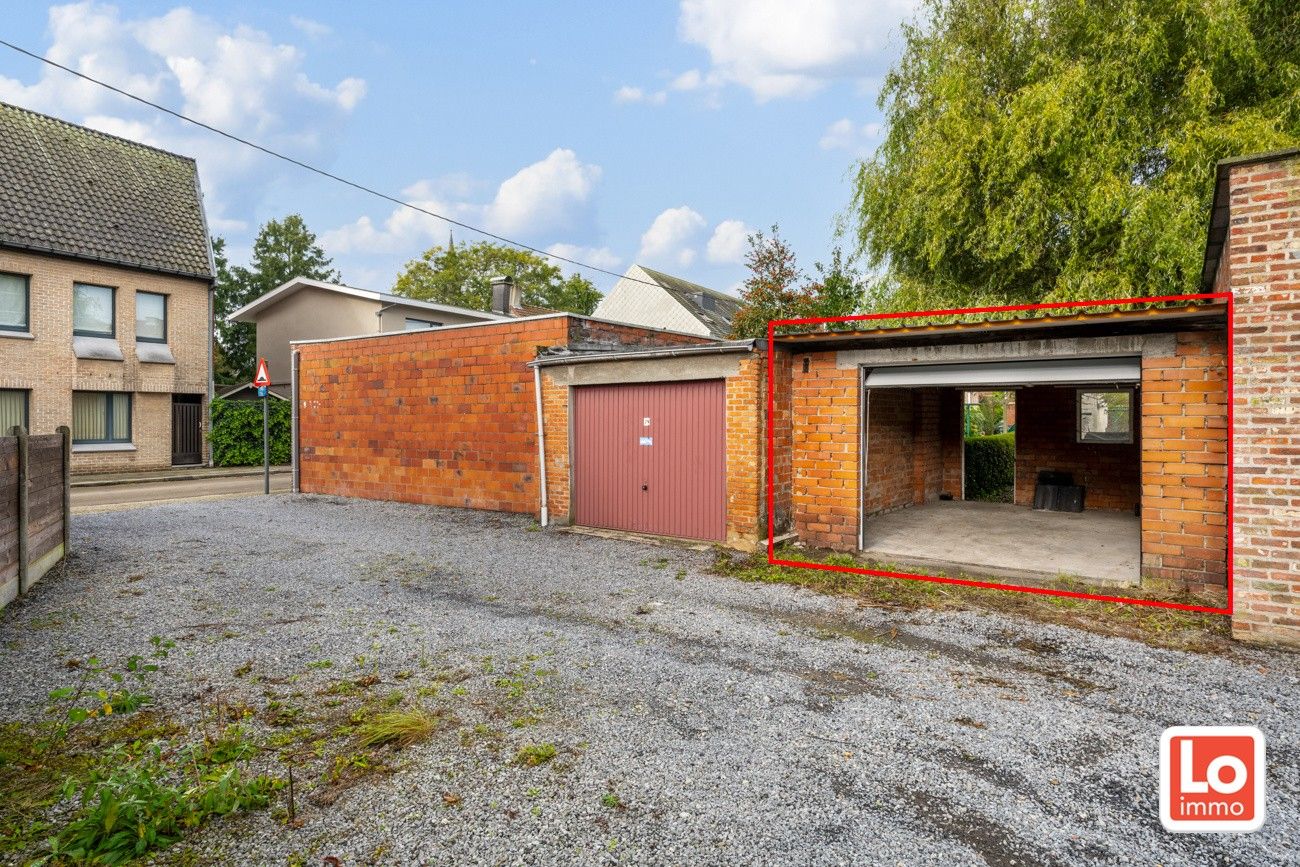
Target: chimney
506	296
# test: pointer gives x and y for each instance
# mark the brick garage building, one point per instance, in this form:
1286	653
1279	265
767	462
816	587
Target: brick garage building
666	441
1133	405
876	430
445	416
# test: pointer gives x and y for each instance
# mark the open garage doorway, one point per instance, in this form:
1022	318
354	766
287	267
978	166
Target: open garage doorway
1065	502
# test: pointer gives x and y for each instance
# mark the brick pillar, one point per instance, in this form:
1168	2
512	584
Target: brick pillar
1263	259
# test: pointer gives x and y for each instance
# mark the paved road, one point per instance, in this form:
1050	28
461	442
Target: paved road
112	497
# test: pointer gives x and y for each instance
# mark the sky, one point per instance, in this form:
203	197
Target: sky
655	133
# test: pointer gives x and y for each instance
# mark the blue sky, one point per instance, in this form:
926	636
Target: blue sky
621	133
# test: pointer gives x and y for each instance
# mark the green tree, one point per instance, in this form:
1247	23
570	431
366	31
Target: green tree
1062	149
774	288
462	276
838	290
284	249
777	289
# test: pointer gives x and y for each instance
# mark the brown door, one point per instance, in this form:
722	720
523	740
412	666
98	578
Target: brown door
187	429
651	458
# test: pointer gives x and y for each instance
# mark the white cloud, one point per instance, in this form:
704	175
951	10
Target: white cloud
729	243
549	197
628	94
776	48
844	134
237	79
310	28
670	237
545	197
688	80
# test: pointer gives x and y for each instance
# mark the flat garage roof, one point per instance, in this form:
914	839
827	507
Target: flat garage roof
993	374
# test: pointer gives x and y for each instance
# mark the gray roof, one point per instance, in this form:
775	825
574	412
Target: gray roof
72	191
713	309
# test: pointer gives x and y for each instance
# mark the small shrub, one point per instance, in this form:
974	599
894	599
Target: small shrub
134	805
399	727
991	467
533	755
236	434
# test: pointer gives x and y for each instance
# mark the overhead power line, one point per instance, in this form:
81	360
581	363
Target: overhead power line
315	169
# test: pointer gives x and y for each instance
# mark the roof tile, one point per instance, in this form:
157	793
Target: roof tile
74	191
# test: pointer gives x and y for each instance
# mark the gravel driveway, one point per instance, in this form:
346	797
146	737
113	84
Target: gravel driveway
695	719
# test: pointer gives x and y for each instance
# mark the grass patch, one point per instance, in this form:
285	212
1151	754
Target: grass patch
533	755
399	728
1160	627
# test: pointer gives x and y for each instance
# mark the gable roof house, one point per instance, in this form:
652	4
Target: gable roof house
303	309
643	296
105	294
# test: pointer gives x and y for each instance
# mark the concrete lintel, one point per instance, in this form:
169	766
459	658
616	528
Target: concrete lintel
1146	345
647	370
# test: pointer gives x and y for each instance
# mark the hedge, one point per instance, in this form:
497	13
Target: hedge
236	435
991	467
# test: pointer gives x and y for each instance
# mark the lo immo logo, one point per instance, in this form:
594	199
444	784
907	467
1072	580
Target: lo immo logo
1212	778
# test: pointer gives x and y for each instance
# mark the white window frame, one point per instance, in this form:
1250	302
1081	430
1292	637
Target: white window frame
1079	434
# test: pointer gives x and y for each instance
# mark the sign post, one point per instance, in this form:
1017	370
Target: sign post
263	380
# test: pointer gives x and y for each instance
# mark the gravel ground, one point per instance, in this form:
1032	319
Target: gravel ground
696	719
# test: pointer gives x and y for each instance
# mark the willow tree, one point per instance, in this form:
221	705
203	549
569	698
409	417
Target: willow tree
1065	149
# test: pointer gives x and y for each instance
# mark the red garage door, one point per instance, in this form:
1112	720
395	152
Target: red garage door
651	458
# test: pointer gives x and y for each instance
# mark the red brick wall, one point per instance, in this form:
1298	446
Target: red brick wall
909	446
443	416
1184	462
1263	272
1046	431
890	430
952	442
927	454
824	451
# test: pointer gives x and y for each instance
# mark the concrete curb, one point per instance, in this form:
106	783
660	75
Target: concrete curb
184	477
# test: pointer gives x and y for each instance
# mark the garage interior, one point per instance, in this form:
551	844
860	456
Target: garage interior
918	512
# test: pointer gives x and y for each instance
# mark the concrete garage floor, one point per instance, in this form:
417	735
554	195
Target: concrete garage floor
1010	541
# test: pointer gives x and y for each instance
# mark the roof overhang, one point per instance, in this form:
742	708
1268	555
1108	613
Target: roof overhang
248	313
721	348
1150	320
1010	374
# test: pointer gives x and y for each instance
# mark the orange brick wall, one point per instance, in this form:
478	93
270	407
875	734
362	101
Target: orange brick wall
441	416
1184	429
1263	272
783	472
746	451
824	451
1046	434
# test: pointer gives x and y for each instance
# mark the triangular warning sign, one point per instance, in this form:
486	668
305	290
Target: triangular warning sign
263	374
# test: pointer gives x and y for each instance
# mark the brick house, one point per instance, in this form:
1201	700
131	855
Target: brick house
105	284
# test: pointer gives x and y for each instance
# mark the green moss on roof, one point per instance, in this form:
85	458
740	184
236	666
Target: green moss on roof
78	192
